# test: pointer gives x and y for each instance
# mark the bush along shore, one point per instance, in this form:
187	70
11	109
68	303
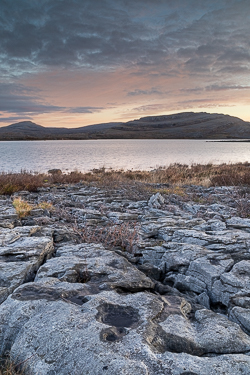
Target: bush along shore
115	272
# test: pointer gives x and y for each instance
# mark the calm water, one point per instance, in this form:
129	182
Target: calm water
40	156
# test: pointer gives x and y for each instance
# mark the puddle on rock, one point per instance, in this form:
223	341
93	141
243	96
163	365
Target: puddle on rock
117	316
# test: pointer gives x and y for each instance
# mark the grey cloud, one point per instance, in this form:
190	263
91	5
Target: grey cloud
18	104
138	92
84	109
151	107
216	87
72	33
104	32
15	118
16	98
225	87
205	40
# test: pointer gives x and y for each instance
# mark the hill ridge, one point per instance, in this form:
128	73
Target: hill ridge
183	125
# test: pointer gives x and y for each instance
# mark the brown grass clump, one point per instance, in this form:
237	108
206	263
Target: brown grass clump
123	235
13	182
45	206
8	368
22	207
237	174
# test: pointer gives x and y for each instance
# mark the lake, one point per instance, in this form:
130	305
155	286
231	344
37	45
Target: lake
84	155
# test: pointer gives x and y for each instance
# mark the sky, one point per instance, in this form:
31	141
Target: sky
71	63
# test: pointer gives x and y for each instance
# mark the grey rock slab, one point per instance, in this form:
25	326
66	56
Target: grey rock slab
37	212
123	215
8	215
237	281
137	205
184	283
191	236
8	235
228	237
13	274
203	300
217	225
150	229
238	222
241	316
208	333
153	255
101	335
179	255
110	334
20	257
186	364
156	201
91	262
209	268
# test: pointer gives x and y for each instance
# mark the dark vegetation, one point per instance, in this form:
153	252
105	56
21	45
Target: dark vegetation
197	174
8	368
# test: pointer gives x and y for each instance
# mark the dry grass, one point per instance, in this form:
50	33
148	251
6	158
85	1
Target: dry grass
123	235
176	190
8	368
179	174
45	206
22	207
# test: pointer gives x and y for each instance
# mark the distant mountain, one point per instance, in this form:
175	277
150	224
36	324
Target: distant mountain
187	125
28	130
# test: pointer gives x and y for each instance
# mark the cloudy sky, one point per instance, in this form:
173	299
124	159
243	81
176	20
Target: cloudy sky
78	62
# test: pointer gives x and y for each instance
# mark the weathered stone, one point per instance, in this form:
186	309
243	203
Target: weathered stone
179	255
8	215
156	200
242	317
63	329
238	222
90	262
231	283
203	299
91	310
20	257
209	333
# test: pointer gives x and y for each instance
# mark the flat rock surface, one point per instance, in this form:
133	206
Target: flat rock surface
111	282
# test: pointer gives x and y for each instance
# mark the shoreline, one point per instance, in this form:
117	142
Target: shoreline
236	174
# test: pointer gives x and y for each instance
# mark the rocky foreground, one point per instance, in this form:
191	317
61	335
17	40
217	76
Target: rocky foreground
171	295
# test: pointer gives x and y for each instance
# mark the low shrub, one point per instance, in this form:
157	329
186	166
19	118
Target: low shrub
237	174
122	235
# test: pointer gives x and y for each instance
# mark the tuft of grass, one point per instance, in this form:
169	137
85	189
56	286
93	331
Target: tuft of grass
176	190
8	368
46	206
22	207
123	235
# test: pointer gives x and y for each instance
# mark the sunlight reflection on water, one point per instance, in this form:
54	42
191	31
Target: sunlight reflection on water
84	155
